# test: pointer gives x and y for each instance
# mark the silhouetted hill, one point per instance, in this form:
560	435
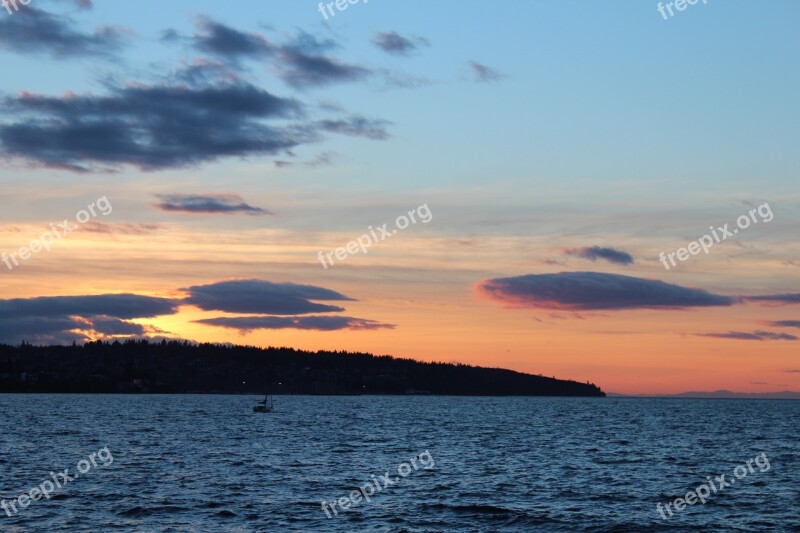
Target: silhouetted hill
181	367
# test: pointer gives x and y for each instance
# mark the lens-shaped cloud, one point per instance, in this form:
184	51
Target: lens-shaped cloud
263	297
582	291
593	253
208	203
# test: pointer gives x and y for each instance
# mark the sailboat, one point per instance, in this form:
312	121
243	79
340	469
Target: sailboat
264	406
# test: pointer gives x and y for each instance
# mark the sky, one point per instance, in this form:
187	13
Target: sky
181	170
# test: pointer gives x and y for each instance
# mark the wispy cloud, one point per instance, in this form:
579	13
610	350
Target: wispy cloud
789	298
484	74
228	43
35	31
358	126
120	228
393	43
305	62
318	323
751	336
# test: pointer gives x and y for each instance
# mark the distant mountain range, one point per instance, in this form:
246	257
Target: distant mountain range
182	367
784	395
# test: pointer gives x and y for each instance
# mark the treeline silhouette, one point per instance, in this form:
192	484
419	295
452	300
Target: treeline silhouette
183	367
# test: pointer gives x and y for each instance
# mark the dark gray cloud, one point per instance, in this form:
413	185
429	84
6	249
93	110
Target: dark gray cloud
41	330
204	72
117	305
357	127
394	43
66	319
784	323
109	325
263	297
208	203
68	329
202	111
35	31
583	291
593	253
484	74
318	323
751	336
304	63
777	298
150	127
228	43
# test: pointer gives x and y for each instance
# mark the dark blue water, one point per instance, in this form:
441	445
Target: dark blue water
207	463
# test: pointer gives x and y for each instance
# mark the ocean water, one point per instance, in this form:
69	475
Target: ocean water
208	463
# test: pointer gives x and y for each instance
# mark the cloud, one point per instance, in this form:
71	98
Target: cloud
66	319
794	371
583	291
394	43
204	110
357	126
323	159
109	325
778	298
42	330
120	228
484	74
318	323
206	72
34	31
117	305
68	329
228	43
303	64
784	323
751	336
151	127
594	253
208	203
263	297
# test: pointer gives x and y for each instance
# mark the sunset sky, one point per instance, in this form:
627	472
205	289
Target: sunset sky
559	147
